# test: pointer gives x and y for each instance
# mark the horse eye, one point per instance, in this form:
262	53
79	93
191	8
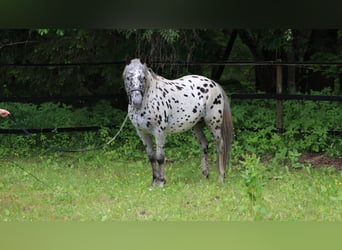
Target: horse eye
141	79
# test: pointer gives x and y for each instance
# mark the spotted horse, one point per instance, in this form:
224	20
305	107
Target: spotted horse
158	106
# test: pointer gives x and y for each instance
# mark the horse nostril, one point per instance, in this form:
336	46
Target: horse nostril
137	98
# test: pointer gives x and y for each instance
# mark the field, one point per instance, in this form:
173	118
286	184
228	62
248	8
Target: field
99	186
271	178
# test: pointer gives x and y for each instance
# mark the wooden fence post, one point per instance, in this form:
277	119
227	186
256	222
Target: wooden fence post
279	102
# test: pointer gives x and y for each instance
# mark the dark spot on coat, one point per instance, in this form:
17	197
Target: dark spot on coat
218	99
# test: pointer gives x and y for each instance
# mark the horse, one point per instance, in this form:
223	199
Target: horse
157	106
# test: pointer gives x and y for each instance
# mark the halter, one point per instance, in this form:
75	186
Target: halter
141	90
136	89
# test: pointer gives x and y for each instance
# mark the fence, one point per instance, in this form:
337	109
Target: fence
279	96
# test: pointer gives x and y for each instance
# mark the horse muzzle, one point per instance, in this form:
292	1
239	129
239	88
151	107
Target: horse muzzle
136	98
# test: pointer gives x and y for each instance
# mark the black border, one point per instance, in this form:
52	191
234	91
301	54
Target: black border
171	14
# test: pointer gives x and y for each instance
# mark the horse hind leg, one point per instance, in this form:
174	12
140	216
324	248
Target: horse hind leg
221	128
220	148
199	135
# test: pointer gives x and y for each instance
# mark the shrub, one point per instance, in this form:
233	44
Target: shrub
307	127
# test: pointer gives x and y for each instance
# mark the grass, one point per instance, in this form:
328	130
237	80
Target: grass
97	186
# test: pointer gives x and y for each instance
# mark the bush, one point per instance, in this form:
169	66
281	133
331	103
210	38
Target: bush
306	123
57	115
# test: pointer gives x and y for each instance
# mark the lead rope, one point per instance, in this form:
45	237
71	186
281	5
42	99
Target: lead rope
11	116
73	150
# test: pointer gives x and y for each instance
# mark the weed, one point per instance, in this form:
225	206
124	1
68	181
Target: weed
254	179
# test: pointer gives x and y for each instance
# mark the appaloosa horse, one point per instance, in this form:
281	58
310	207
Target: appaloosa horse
158	106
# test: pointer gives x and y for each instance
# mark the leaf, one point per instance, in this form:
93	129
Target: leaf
42	32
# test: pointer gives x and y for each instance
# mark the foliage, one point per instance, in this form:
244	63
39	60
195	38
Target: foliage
254	179
276	39
307	125
56	115
329	71
61	46
45	46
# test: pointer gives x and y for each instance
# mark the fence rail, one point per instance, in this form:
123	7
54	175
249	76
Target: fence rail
242	96
279	96
49	130
288	97
251	96
39	99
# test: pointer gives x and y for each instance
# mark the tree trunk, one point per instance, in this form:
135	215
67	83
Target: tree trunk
265	78
291	74
321	41
264	75
218	70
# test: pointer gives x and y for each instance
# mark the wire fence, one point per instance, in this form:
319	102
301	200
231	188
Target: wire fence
84	99
279	96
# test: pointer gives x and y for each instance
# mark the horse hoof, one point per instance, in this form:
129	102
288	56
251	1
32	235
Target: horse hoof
221	179
158	182
162	183
205	173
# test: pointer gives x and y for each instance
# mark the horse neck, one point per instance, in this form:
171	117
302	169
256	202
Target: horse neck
151	81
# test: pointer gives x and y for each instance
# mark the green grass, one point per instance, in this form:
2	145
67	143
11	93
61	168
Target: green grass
98	186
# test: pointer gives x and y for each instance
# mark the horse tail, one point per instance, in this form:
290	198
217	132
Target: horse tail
227	129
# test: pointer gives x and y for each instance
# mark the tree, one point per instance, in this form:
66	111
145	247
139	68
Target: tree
59	47
163	47
293	45
224	55
266	45
322	46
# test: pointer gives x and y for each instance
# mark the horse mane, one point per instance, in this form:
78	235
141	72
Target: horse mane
153	74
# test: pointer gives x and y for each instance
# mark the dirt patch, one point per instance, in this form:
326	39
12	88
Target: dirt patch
319	160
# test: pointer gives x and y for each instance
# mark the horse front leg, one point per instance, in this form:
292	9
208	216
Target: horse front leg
160	156
147	141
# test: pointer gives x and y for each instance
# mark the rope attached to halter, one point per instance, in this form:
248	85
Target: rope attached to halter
57	149
11	116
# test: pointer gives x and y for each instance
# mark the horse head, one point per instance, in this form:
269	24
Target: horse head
135	82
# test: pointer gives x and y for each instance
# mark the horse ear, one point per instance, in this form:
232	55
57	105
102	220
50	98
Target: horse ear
142	59
128	59
147	62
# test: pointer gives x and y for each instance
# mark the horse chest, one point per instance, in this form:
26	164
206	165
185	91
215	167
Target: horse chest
149	120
